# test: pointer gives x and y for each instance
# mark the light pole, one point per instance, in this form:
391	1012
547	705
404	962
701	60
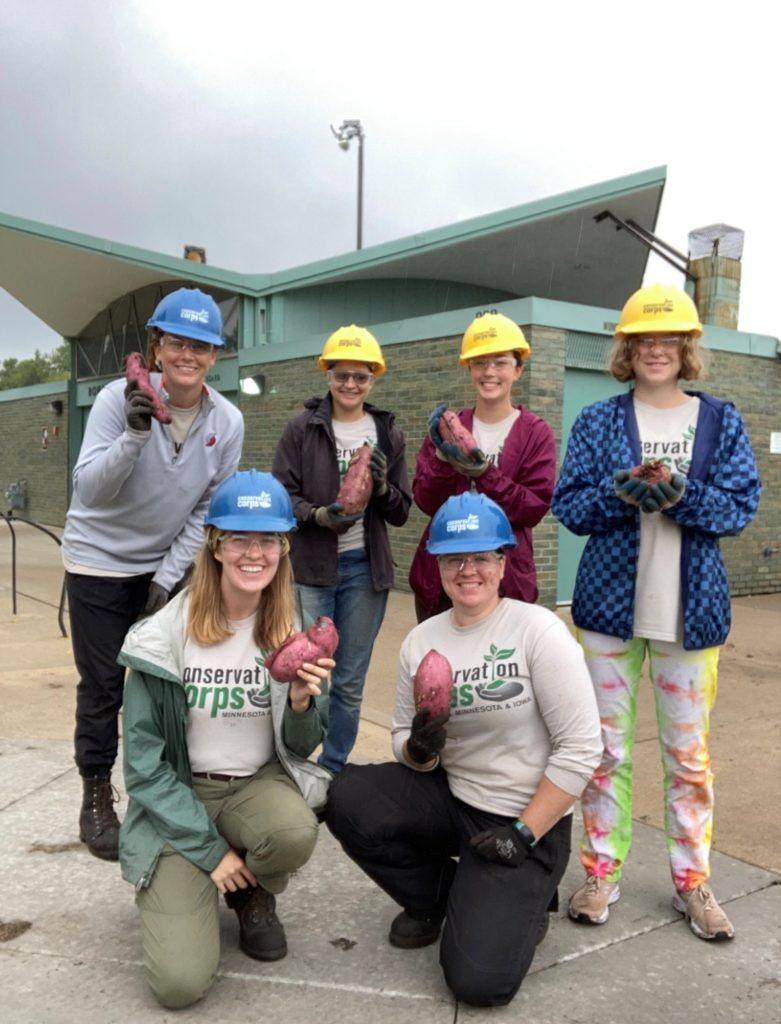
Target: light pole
348	130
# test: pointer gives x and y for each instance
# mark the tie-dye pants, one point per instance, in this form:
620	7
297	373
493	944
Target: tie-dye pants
684	684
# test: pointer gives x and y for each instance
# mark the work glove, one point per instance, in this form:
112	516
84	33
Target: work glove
502	845
330	517
379	469
629	488
138	409
473	467
664	494
156	599
427	736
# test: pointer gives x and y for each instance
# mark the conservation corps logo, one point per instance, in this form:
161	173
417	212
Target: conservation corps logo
471	522
262	500
195	316
655	308
495	680
228	692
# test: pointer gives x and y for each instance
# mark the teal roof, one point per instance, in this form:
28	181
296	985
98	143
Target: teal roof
550	247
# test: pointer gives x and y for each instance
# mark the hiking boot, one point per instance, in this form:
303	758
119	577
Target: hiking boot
261	934
589	904
98	823
414	932
706	918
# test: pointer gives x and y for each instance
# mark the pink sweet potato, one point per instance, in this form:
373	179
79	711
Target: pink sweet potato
319	641
652	472
357	485
433	684
137	376
453	431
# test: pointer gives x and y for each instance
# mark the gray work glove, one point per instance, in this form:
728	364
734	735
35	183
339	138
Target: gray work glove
665	494
138	410
450	453
156	599
330	517
379	470
427	736
629	488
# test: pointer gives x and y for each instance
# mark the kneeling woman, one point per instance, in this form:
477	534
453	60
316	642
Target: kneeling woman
492	783
221	795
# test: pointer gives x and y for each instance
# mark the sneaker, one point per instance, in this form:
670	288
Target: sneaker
589	904
706	918
413	932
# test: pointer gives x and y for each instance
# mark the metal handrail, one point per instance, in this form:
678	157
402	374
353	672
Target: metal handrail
10	518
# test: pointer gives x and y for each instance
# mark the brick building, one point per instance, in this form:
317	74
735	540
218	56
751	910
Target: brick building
555	266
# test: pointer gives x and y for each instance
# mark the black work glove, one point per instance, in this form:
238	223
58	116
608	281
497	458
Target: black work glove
379	469
138	409
156	599
664	494
502	845
427	736
331	518
629	488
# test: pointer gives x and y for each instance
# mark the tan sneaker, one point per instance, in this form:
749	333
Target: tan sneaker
706	918
589	904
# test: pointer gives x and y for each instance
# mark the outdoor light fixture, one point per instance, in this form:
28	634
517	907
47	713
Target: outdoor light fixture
56	407
255	385
347	131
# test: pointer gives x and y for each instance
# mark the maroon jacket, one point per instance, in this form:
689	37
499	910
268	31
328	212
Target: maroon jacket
521	483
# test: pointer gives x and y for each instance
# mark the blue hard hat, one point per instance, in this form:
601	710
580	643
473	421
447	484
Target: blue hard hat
190	313
252	502
469	522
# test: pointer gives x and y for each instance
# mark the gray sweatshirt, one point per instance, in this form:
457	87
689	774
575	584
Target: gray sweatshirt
138	506
523	705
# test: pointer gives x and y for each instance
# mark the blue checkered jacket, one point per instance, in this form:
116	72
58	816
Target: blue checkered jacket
721	498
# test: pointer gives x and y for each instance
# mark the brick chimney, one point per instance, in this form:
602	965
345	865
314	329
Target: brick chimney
714	260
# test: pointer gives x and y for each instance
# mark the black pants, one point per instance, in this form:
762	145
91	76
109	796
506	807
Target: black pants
404	829
101	612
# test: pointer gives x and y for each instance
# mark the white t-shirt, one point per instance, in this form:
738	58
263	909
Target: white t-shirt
523	705
181	421
490	437
229	728
666	435
349	437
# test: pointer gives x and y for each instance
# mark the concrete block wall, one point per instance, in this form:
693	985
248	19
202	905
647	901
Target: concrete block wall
22	423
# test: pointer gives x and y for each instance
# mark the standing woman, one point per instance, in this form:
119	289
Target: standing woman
651	583
221	794
135	523
342	564
516	461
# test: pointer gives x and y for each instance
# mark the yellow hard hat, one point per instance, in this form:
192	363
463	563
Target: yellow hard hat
354	344
493	332
658	308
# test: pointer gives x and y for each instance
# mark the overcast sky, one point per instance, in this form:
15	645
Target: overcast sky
160	122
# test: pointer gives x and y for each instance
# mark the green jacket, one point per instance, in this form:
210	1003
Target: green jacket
163	807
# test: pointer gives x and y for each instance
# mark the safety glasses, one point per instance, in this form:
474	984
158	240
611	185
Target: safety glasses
178	345
481	562
343	376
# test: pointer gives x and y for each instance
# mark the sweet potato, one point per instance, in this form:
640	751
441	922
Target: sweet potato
652	472
357	485
453	431
433	684
137	376
319	641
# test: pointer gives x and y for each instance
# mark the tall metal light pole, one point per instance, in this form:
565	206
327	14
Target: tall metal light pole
347	131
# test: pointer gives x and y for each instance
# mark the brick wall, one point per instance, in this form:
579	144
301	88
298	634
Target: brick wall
23	458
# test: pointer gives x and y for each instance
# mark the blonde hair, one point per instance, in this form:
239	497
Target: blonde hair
153	340
207	623
620	360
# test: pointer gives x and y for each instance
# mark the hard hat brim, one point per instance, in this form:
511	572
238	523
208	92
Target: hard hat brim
462	545
378	370
659	327
252	524
489	349
187	331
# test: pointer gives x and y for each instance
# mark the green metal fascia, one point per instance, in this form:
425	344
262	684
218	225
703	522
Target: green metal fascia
177	267
52	387
324	270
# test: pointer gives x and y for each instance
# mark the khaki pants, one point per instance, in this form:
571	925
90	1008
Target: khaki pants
264	815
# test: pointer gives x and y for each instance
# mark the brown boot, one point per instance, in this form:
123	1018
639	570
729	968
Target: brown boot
98	823
261	934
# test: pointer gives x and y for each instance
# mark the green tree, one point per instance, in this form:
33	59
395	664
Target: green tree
20	373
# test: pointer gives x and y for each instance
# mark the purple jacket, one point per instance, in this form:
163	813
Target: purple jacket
305	462
521	483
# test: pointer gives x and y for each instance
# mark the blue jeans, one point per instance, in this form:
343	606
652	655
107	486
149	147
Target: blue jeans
357	610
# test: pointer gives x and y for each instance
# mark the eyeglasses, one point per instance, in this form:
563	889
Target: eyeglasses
342	376
241	543
664	340
502	363
482	562
198	348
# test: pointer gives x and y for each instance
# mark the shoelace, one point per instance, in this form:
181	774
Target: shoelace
103	799
707	898
592	885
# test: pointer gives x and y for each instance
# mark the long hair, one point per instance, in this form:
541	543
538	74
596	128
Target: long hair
620	361
207	622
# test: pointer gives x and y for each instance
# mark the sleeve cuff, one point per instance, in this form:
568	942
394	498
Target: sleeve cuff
571	782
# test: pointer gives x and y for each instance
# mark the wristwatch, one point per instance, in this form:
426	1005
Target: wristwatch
525	833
